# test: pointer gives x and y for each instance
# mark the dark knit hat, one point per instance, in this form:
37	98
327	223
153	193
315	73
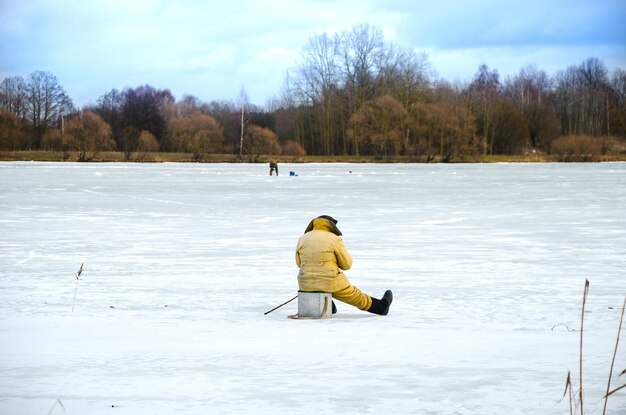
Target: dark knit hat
330	218
333	224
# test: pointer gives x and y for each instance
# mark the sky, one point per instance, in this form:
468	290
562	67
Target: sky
214	49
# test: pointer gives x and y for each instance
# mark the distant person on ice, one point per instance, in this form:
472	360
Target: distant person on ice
273	167
321	255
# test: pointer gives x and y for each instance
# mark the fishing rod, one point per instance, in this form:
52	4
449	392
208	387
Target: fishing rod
275	308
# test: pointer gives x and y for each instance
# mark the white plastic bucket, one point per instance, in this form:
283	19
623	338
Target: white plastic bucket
315	304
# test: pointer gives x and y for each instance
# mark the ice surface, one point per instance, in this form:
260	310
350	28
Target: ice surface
182	260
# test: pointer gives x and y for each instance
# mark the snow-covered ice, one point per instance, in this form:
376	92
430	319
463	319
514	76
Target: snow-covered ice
487	264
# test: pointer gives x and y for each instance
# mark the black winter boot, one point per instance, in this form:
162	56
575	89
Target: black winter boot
381	307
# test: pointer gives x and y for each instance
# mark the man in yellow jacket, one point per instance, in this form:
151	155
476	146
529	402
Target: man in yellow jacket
321	255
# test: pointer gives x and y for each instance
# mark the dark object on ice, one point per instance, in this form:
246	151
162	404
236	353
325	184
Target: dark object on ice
292	173
334	308
273	167
381	307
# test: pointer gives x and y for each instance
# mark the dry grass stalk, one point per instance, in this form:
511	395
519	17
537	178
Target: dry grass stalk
80	271
609	392
582	319
568	387
58	401
568	382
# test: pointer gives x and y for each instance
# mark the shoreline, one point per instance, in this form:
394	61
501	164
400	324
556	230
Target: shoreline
108	157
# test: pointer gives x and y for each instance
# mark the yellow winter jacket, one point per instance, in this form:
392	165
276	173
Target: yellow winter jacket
321	255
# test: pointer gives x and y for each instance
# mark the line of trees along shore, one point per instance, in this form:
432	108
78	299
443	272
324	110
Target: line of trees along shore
352	94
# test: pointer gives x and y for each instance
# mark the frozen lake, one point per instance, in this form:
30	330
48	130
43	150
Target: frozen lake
487	264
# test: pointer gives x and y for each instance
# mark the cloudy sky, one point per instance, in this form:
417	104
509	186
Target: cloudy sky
212	49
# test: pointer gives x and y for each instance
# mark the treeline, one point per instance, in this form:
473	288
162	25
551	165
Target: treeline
38	115
352	94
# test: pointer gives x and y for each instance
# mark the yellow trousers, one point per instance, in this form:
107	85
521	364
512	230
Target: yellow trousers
353	296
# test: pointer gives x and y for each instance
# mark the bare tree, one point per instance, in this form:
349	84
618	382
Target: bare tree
13	96
196	133
260	141
360	49
12	134
509	131
318	83
109	108
617	124
530	92
484	93
46	104
87	133
406	76
594	85
146	143
142	109
337	75
244	102
380	124
581	98
291	148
